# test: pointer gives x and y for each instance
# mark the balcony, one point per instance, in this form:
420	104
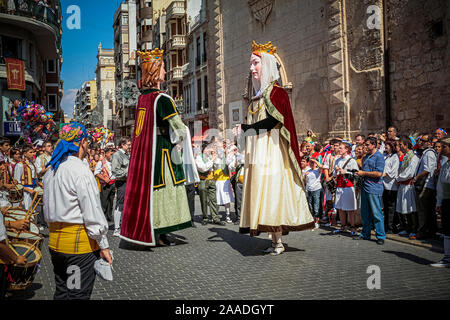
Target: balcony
39	20
175	10
145	13
186	69
146	36
177	42
176	74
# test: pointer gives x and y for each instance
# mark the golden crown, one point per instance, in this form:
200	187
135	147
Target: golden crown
151	55
267	48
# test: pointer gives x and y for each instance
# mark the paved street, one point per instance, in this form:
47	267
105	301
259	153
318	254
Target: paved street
215	262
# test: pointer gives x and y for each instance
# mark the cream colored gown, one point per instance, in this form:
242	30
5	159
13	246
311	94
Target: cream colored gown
274	199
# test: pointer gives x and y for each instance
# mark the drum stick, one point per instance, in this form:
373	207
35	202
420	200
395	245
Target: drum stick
32	210
28	215
32	202
34	244
11	247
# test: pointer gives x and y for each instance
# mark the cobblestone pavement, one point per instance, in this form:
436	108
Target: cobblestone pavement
214	262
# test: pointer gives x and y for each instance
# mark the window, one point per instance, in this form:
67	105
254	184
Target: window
125	20
30	55
52	103
51	66
10	47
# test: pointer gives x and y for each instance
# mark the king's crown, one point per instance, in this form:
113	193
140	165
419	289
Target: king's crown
151	55
267	48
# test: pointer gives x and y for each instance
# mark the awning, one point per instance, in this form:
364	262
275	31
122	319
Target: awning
201	136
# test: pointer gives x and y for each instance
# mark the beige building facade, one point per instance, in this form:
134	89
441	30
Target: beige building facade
348	66
105	85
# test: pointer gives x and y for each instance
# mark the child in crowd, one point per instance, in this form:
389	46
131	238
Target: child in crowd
313	189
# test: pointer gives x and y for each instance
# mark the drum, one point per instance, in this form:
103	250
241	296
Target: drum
28	236
16	194
19	214
23	276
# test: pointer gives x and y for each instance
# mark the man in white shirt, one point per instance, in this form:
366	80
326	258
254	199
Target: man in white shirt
406	194
104	174
26	174
207	185
426	189
40	163
73	211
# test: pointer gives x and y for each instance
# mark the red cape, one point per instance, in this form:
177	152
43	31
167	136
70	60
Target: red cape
280	100
137	226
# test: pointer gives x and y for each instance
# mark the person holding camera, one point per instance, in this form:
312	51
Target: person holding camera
345	190
372	192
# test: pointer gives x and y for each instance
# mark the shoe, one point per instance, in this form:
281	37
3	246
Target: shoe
279	249
116	233
237	222
220	223
228	220
316	226
326	224
354	233
41	228
441	264
271	248
380	241
193	225
403	233
204	222
412	236
164	240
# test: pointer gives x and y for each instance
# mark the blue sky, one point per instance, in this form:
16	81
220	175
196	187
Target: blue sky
80	46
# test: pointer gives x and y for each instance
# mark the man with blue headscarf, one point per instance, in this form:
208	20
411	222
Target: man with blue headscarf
73	211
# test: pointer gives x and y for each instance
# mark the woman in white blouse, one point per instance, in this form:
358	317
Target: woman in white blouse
345	201
390	174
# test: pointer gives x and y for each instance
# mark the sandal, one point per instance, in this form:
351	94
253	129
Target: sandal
279	249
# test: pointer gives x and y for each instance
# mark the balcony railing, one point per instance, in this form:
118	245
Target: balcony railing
175	10
45	14
176	74
177	42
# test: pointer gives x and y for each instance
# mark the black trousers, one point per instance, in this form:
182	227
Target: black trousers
389	202
409	222
426	205
68	285
190	193
107	200
238	199
121	187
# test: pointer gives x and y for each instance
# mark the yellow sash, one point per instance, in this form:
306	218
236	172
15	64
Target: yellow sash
70	238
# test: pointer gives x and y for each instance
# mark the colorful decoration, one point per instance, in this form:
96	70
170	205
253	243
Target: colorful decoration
102	135
36	122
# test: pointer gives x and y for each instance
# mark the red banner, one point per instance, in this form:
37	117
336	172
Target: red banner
15	71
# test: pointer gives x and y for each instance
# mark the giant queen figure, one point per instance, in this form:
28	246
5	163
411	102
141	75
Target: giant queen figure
155	196
274	196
